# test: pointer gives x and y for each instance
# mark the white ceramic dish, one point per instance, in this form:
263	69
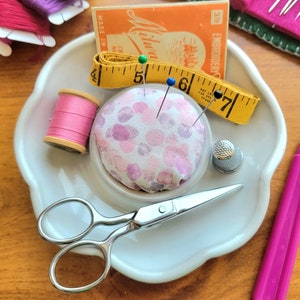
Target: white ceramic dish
176	247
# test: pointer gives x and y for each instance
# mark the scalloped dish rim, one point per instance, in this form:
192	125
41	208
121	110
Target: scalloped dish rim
204	225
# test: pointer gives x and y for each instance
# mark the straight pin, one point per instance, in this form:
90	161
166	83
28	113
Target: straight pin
217	95
142	60
288	6
273	6
170	82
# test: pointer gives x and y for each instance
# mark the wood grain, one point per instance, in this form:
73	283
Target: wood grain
25	257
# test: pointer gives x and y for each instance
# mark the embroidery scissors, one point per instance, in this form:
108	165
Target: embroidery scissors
143	217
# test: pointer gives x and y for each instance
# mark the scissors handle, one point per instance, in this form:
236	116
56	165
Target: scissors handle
95	218
103	247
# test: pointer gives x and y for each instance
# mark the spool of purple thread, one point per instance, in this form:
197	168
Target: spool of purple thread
48	7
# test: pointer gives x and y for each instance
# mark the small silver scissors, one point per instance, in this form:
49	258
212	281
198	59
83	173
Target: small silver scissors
143	217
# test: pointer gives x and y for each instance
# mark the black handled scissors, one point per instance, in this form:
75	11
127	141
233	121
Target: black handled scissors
143	217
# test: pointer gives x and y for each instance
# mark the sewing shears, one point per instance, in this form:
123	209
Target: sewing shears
143	217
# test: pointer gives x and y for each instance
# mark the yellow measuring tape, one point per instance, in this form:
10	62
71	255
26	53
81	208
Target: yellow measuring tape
116	70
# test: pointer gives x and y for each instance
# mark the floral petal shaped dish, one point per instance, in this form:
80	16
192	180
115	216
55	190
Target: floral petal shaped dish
177	247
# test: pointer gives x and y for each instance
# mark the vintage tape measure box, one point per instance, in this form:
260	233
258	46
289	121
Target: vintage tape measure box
190	34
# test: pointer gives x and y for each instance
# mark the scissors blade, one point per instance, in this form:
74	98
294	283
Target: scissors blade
189	202
162	211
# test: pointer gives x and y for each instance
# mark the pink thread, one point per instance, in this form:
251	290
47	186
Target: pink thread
15	15
72	121
47	7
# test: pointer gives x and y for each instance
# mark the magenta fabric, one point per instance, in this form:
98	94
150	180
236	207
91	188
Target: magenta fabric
288	23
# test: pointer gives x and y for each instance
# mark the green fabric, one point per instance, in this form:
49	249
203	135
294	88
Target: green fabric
276	38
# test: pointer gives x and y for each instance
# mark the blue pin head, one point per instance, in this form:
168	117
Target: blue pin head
171	81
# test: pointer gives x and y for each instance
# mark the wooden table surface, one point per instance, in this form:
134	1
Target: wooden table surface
25	257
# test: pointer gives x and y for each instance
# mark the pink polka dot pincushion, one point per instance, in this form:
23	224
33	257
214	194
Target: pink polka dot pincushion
148	152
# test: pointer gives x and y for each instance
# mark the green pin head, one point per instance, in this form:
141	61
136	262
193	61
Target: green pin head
142	59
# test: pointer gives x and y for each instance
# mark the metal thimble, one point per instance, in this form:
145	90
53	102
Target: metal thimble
226	157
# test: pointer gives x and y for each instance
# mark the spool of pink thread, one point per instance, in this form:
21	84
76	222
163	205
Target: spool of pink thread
15	16
72	121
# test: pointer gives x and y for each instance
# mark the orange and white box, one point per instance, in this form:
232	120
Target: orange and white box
190	34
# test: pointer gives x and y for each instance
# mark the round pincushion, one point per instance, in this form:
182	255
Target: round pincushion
148	151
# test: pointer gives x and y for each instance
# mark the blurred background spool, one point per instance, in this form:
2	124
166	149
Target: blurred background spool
5	47
47	7
72	121
15	15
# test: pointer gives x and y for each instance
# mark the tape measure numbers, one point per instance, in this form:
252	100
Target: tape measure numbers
116	70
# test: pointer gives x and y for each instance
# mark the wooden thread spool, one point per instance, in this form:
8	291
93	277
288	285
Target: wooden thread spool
72	121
